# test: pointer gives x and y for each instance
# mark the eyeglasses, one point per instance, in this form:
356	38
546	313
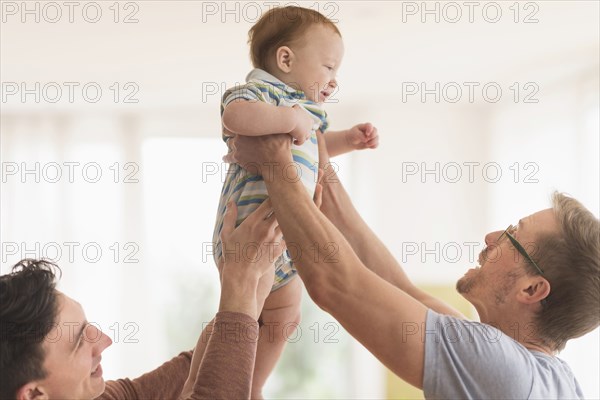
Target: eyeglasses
518	246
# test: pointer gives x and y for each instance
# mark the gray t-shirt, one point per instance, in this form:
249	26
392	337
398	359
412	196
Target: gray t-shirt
467	359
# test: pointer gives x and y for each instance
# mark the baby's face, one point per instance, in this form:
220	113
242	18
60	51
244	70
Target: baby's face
316	62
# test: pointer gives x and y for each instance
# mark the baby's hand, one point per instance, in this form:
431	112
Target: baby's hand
305	126
363	136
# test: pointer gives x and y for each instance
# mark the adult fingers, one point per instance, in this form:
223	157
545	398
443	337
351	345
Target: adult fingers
320	175
318	196
263	215
230	156
270	216
229	220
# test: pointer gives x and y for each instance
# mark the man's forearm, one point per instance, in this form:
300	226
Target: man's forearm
340	210
372	310
228	363
324	253
311	238
238	294
338	207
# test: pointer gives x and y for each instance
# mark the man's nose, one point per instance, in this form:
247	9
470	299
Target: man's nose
102	343
492	237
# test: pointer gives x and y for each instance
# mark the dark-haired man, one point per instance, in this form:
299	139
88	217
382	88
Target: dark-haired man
48	350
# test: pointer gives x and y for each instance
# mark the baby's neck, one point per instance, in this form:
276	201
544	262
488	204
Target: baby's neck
288	79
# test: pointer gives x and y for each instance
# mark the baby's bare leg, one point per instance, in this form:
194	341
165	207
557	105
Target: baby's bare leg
280	317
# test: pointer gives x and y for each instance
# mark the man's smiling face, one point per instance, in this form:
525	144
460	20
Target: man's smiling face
73	350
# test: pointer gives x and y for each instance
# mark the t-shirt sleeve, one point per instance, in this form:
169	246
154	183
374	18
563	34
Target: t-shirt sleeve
318	113
324	122
228	363
251	91
466	359
165	382
225	372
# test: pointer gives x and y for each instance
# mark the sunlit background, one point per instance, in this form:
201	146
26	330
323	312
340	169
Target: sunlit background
111	156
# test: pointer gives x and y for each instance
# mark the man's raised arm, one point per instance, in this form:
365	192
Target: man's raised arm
338	208
384	319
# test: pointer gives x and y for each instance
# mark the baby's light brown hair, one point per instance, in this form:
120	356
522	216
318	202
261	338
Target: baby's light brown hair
282	26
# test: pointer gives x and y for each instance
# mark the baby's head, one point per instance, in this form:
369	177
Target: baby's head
300	47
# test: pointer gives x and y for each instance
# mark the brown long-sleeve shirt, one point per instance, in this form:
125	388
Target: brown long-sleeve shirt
225	372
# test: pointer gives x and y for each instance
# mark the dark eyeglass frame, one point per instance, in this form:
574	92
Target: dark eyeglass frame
519	248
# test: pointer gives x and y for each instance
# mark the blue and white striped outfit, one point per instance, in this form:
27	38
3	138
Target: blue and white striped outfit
249	191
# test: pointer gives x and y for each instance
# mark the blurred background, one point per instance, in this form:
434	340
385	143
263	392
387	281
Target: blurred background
111	156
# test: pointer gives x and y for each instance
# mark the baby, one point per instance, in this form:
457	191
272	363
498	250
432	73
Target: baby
296	53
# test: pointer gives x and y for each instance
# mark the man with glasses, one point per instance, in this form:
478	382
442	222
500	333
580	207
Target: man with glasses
510	233
530	302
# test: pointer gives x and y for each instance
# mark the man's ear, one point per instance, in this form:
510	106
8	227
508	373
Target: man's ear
31	391
285	58
534	290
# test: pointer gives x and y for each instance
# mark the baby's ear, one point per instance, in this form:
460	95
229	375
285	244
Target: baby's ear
285	58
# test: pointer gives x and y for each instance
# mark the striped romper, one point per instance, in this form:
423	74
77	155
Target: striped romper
249	191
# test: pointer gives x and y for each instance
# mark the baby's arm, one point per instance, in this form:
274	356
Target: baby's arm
361	136
257	118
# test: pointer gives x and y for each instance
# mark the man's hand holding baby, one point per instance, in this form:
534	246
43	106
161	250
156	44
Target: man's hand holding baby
260	155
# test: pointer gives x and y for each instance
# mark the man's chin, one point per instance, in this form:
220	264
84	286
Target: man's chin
462	287
101	387
468	280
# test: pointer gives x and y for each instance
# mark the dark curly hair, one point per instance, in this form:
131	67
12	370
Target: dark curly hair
28	311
